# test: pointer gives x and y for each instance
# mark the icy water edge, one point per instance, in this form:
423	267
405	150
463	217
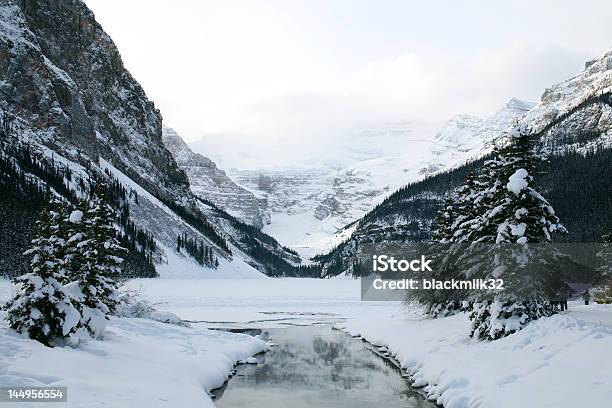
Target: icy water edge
315	366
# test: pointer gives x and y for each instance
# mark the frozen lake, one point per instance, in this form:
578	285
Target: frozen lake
261	303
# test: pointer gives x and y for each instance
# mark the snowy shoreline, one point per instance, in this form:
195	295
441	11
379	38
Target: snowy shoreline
554	362
140	363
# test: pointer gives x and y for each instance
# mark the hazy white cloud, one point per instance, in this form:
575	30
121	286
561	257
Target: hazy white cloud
288	74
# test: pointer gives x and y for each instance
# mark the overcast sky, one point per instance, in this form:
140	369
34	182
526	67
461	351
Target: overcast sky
276	69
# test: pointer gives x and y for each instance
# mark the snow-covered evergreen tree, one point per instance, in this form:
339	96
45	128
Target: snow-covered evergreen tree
466	210
521	214
440	303
453	228
515	213
43	307
95	259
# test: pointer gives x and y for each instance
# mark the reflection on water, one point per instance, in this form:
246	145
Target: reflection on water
315	366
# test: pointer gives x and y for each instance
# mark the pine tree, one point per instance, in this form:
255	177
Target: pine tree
96	261
604	256
490	182
466	210
515	213
455	225
43	307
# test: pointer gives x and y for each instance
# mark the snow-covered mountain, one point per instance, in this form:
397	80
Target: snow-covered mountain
310	204
72	114
210	183
581	121
465	137
573	121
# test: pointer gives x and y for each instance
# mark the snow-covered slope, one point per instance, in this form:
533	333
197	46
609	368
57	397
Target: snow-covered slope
209	182
466	137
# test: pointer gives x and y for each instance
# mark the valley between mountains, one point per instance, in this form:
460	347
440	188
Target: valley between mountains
140	267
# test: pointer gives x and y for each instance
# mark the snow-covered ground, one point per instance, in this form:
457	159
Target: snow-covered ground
262	303
140	363
562	361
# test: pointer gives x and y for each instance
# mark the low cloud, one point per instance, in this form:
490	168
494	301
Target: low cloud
431	87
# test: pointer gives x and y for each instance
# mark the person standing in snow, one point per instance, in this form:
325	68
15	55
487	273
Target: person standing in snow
563	295
587	297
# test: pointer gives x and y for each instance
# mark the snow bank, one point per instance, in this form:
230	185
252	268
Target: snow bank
140	363
561	361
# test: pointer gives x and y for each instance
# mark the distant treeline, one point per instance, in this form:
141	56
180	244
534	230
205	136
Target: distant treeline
203	254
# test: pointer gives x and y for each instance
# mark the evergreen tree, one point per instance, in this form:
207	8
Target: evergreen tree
605	259
96	261
203	254
466	210
43	307
454	226
515	213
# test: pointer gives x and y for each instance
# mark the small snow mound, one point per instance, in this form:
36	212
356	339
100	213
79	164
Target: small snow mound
251	360
517	182
518	230
76	216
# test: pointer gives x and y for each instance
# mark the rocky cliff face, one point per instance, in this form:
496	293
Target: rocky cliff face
211	183
63	76
586	128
